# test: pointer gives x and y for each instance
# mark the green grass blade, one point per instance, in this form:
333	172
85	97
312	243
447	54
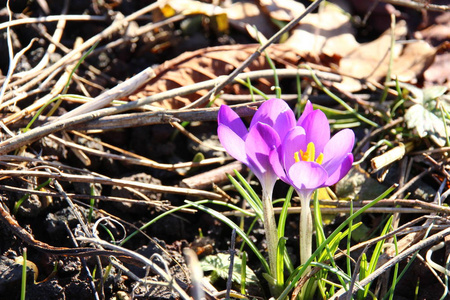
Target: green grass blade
295	277
249	194
91	204
349	239
243	272
334	270
394	276
376	253
252	95
248	187
281	249
257	91
284	213
249	230
66	87
339	100
23	285
154	220
282	226
23	198
318	223
233	225
275	76
363	272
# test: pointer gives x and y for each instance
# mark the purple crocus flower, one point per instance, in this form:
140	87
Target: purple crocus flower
269	126
308	159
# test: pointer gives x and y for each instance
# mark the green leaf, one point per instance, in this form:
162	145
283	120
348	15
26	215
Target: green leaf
426	123
433	92
426	95
198	157
231	224
424	116
219	265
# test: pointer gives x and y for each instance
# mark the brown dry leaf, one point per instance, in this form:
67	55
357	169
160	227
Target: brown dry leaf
439	71
414	60
243	15
438	34
282	10
327	32
209	63
246	15
370	61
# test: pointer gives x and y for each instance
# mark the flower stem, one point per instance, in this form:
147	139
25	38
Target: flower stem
306	231
270	228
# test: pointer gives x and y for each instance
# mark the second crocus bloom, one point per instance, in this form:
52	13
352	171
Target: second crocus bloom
269	126
308	159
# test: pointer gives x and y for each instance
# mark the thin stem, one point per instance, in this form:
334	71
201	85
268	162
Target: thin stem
270	228
271	231
306	230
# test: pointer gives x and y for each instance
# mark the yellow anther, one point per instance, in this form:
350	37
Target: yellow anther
296	157
308	155
319	159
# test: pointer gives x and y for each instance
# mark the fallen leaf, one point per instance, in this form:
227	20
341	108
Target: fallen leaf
439	71
327	32
378	14
219	265
282	10
438	32
425	116
358	185
330	34
247	15
414	60
210	63
426	123
370	60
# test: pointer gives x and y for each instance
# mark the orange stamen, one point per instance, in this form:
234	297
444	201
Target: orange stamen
309	154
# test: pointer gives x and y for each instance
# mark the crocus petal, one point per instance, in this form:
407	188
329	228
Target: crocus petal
294	141
307	175
277	165
268	112
229	118
317	129
277	114
233	143
308	109
341	171
339	146
261	140
284	122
